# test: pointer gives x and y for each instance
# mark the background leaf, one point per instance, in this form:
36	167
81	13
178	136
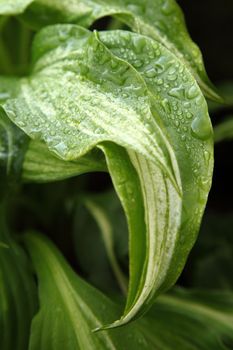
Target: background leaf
224	130
18	298
101	240
70	308
191	320
170	324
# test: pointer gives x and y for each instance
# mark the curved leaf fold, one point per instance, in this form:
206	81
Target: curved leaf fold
152	125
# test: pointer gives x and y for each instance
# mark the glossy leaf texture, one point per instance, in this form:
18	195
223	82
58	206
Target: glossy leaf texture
151	124
39	164
70	309
13	7
161	20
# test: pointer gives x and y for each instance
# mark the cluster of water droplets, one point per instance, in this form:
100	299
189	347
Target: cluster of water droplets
178	96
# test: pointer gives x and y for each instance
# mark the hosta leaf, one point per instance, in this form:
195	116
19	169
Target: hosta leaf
13	7
191	320
225	89
89	245
18	300
101	210
70	309
169	91
40	165
157	139
224	131
161	20
211	260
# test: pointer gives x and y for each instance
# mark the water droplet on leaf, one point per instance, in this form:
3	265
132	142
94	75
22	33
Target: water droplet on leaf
192	92
201	128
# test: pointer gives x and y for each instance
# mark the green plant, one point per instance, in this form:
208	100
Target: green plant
130	102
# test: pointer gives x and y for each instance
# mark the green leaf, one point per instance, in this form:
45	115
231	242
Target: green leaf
158	19
70	309
104	212
211	262
225	89
157	139
89	247
191	320
13	7
13	144
8	88
41	165
224	130
18	299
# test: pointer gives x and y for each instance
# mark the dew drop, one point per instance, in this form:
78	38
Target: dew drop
199	101
52	132
21	124
192	92
172	77
167	8
189	115
159	81
201	128
166	106
138	63
183	137
172	74
172	71
207	156
177	92
150	73
159	68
